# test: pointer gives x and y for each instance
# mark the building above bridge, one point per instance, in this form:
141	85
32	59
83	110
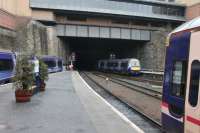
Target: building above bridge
153	9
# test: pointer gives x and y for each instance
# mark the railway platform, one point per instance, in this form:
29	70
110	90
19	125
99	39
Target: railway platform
68	105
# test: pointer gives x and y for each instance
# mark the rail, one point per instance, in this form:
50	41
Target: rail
125	102
136	87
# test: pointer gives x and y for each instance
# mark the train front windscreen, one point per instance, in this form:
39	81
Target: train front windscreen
50	64
6	65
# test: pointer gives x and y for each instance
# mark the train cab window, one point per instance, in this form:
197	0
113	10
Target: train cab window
6	65
179	79
135	63
50	63
194	83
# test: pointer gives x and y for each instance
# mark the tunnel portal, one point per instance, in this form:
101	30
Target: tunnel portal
89	50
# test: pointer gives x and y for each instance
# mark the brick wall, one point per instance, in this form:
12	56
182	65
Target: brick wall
7	20
16	7
193	11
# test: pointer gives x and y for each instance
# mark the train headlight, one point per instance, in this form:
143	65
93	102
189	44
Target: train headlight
135	68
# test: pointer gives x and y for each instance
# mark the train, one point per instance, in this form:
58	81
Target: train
54	63
180	106
8	63
128	66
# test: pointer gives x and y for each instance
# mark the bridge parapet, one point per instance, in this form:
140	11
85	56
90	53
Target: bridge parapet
103	32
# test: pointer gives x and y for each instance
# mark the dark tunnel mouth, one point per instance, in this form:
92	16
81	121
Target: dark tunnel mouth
90	50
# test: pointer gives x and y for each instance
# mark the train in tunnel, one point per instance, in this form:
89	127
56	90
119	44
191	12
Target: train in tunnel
127	66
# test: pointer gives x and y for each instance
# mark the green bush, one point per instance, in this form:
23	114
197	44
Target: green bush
43	71
24	77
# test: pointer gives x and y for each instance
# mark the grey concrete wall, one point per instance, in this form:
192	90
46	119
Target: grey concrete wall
56	46
152	54
7	39
33	38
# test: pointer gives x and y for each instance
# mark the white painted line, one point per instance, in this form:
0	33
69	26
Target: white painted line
113	108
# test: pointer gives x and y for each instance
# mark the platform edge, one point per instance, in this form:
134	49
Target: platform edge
121	115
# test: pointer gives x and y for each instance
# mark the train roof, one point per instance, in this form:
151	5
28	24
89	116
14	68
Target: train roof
6	55
6	51
190	25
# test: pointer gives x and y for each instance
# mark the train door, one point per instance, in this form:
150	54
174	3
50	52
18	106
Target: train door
174	83
192	103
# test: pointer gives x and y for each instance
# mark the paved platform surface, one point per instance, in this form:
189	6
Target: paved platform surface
67	106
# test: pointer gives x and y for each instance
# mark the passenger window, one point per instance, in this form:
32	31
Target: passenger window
109	64
115	64
179	79
102	64
124	65
194	83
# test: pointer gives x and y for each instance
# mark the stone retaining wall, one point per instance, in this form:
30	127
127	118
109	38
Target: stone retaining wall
152	54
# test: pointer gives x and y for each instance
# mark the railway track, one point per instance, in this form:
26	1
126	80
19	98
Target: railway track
142	88
139	79
134	108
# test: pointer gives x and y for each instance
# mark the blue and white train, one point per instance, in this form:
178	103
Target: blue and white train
7	66
128	66
8	63
181	95
55	64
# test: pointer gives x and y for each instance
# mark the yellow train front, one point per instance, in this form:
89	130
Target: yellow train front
134	67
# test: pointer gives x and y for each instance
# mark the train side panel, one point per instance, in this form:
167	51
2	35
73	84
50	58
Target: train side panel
125	66
174	84
192	102
60	65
